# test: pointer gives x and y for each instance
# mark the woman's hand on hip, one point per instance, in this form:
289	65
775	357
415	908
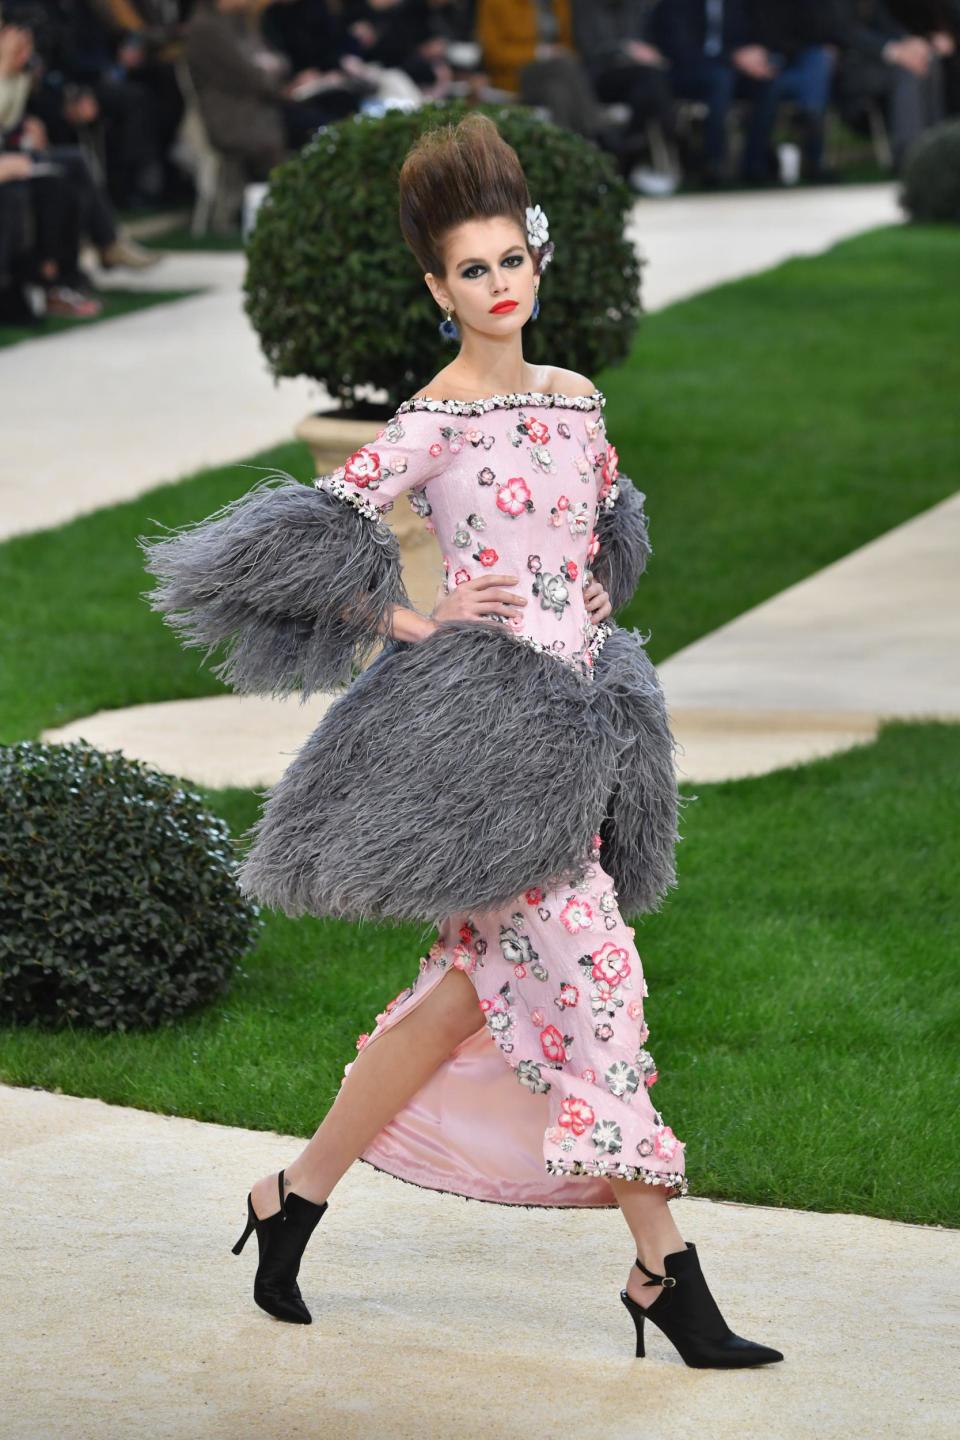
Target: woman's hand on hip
597	601
481	598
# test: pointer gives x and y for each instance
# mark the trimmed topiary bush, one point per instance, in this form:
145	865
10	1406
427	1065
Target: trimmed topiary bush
118	904
334	293
931	175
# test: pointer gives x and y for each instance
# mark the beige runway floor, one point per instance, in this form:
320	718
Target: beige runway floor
434	1317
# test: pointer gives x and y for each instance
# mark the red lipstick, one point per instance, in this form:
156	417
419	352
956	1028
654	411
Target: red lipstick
502	306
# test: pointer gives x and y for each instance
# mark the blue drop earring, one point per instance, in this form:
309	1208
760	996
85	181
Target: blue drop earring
448	329
536	306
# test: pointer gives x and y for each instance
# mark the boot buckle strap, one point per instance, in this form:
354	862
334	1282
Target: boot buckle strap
665	1281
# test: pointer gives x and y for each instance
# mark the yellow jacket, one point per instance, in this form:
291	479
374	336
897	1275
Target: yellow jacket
507	32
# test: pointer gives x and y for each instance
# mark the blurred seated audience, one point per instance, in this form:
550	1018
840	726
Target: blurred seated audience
528	50
255	106
715	57
407	35
888	62
117	58
615	39
64	201
801	42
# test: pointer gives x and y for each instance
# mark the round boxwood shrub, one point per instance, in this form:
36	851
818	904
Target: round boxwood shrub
334	293
118	904
931	175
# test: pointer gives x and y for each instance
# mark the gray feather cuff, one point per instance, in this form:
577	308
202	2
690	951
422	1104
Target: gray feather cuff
624	544
291	579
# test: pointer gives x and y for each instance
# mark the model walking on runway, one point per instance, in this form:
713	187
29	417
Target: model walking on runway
502	771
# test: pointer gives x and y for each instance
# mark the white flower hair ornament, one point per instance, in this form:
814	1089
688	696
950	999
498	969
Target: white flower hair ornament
538	231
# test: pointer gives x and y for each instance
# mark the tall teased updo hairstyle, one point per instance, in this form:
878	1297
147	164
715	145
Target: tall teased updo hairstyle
456	173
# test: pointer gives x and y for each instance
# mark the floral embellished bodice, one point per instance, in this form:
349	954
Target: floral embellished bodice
510	485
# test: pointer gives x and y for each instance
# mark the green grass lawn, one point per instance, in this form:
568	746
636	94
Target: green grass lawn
115	303
801	1004
779	422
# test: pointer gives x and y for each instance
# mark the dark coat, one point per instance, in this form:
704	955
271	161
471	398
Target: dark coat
239	100
860	26
680	29
600	28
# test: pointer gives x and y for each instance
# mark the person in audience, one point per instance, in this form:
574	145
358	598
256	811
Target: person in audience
798	40
91	84
146	40
406	35
49	205
528	50
715	57
308	32
939	22
246	92
625	66
885	61
16	240
25	131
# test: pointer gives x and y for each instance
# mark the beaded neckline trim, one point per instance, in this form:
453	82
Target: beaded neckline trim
527	398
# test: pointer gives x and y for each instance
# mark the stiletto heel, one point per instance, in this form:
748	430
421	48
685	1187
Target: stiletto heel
637	1314
690	1318
251	1225
282	1239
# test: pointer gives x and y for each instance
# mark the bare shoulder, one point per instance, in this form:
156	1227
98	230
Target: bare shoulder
571	382
438	387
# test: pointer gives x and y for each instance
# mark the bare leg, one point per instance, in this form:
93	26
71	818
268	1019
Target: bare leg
384	1076
647	1212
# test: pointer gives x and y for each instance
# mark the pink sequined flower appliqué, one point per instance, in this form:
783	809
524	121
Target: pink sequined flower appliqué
665	1143
577	915
513	498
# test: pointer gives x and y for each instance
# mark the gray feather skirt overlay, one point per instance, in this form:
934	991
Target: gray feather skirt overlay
453	773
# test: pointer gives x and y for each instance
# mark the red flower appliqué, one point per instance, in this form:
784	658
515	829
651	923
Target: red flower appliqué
537	430
553	1044
363	467
609	470
610	963
576	1114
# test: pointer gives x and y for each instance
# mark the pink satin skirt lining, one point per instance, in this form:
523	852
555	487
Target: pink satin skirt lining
472	1129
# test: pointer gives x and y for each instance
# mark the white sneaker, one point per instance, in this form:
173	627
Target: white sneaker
647	181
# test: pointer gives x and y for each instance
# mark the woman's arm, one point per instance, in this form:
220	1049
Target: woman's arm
299	583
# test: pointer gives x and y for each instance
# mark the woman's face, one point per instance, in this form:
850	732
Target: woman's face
489	282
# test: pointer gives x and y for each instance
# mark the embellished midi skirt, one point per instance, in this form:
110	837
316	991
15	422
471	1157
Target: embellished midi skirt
552	1095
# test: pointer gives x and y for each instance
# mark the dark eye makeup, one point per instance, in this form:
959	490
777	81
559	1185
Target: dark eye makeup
466	274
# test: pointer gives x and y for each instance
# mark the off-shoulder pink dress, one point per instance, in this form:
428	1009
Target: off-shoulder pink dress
554	1093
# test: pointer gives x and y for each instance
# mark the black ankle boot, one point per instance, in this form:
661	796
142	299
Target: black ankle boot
690	1318
282	1239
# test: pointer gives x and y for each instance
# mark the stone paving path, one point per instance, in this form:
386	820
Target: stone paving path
434	1317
